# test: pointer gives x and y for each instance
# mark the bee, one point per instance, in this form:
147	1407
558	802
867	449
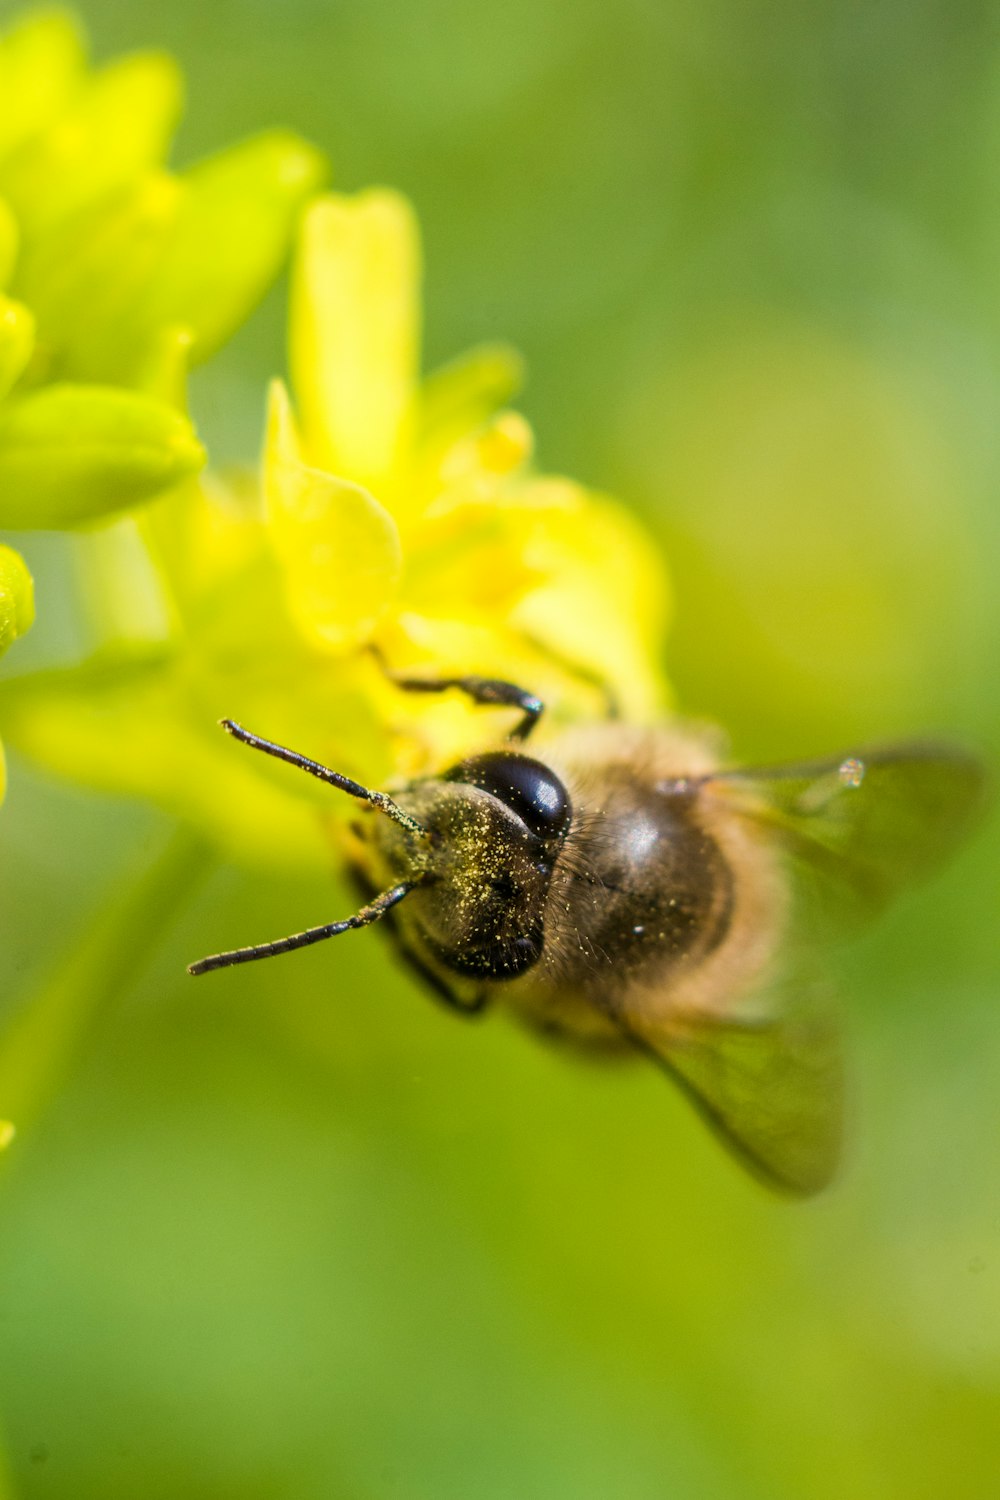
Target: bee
629	895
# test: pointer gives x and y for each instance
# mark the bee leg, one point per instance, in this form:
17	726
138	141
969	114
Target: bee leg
474	1007
482	690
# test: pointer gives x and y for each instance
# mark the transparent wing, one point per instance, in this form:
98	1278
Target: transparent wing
858	827
772	1089
765	1068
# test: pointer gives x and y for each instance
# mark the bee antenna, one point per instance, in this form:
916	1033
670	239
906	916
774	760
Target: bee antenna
380	800
362	918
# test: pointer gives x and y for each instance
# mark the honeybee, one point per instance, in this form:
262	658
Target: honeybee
629	895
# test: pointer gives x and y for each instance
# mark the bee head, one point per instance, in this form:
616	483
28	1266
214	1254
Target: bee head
493	826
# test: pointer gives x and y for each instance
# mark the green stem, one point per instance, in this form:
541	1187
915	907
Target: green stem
38	1048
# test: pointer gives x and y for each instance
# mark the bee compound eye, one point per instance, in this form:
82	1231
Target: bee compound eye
529	788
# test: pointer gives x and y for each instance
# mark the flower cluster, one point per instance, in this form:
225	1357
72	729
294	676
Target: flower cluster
392	513
115	273
395	521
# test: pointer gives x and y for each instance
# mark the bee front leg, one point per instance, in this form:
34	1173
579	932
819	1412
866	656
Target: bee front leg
482	690
441	990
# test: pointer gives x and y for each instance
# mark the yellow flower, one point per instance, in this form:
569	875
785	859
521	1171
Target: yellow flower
392	512
7	1133
410	515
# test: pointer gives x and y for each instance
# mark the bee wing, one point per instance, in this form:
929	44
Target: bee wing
771	1088
856	828
765	1069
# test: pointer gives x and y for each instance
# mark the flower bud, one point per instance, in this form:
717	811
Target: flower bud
230	237
70	454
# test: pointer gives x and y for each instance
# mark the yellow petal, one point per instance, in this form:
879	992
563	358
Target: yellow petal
480	544
355	332
144	732
471	562
459	398
339	548
208	540
6	1134
462	394
475	468
604	601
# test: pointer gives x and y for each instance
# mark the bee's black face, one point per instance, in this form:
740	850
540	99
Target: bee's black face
495	824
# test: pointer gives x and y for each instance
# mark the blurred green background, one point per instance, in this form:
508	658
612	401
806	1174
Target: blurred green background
302	1234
